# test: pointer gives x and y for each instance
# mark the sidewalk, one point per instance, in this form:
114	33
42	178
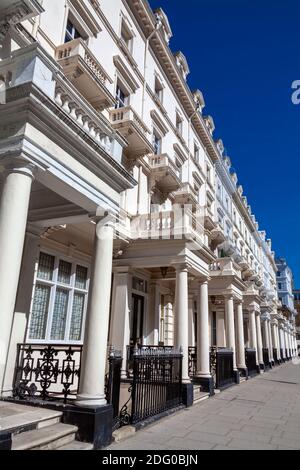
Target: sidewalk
263	413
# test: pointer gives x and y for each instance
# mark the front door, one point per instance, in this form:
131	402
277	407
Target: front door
137	320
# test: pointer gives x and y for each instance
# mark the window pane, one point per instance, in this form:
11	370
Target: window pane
59	314
64	272
46	267
77	316
39	313
81	277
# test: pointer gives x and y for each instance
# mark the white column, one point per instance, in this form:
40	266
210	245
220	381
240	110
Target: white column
277	341
259	339
253	335
182	318
270	342
282	341
286	342
230	329
169	321
23	303
120	314
274	340
267	339
14	204
241	360
203	348
191	321
92	380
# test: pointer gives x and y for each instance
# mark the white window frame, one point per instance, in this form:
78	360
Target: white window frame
54	284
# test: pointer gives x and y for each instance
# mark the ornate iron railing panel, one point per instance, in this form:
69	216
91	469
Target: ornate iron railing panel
266	357
142	347
47	371
250	355
157	383
192	361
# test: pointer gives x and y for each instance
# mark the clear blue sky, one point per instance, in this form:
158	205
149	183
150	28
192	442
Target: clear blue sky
244	56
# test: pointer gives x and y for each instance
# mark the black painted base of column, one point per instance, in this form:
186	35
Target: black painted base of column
258	369
207	384
5	440
94	424
244	373
237	377
262	367
188	394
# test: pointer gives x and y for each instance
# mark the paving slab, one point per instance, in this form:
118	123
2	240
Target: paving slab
260	414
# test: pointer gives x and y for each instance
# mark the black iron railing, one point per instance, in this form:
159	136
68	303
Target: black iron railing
266	357
222	367
47	371
141	347
275	355
250	355
113	383
157	383
192	361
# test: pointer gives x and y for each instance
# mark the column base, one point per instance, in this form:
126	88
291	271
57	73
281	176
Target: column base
207	384
244	372
237	377
94	424
188	394
5	440
262	367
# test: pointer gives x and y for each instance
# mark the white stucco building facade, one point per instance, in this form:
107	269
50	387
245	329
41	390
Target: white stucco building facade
121	220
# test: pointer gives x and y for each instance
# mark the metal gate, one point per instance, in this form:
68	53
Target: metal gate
156	385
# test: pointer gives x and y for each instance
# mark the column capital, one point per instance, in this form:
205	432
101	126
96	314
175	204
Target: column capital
182	267
22	167
202	282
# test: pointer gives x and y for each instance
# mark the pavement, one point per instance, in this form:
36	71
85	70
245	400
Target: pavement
260	414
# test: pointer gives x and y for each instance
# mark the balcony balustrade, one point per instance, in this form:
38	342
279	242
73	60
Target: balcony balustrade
209	222
82	68
225	267
134	130
28	69
186	195
164	175
168	225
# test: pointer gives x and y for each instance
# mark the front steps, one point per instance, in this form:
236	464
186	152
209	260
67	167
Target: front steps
33	428
199	395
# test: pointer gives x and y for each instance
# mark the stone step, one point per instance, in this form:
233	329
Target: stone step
16	418
76	445
47	438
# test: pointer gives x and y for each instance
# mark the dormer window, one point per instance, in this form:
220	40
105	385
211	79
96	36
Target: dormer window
179	123
71	32
159	90
127	36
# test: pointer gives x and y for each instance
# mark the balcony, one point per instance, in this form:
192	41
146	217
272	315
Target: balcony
217	237
133	129
168	225
82	68
185	195
165	176
225	267
209	222
61	99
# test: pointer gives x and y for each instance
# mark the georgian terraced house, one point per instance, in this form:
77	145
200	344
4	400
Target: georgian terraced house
121	220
